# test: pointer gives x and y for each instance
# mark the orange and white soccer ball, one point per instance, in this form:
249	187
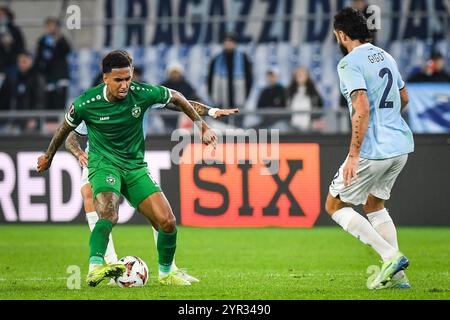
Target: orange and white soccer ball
136	274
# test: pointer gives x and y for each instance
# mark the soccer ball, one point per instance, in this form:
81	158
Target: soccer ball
136	274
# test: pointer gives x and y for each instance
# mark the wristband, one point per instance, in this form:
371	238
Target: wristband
212	111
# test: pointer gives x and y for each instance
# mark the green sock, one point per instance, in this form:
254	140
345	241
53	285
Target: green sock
167	244
99	240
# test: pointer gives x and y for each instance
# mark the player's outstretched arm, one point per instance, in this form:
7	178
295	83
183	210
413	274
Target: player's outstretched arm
203	110
360	122
208	136
73	146
60	135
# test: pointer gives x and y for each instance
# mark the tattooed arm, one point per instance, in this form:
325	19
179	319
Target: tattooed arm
208	136
200	108
360	122
204	110
179	103
73	146
61	133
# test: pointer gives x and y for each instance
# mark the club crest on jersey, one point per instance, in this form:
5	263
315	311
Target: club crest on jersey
111	180
136	111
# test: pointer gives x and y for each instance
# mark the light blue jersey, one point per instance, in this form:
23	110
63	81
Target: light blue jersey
372	69
83	131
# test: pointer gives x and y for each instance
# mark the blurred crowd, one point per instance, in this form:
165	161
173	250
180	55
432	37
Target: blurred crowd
32	80
40	79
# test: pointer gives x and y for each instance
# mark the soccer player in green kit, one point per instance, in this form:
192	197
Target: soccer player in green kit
113	113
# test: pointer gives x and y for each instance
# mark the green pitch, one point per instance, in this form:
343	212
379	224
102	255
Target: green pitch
272	263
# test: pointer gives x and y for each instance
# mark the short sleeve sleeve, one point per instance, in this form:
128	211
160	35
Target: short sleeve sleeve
73	116
351	77
156	96
82	129
401	84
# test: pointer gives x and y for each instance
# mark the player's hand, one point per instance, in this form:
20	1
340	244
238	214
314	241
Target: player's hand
83	159
43	163
224	113
209	137
350	169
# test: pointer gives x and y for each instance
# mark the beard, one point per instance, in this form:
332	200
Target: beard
343	49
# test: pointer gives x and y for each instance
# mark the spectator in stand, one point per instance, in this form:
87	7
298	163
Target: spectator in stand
230	76
11	42
5	100
176	81
433	71
6	88
303	96
28	90
52	55
29	85
272	97
363	6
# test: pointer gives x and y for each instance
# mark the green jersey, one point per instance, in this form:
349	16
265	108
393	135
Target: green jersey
115	128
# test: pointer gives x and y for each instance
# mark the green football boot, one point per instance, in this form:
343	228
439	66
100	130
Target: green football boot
174	278
389	268
101	272
400	283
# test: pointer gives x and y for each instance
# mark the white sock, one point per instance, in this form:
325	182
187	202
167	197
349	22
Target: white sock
382	222
173	267
110	254
91	266
352	222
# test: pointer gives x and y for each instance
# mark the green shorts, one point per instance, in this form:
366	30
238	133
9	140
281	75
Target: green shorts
135	185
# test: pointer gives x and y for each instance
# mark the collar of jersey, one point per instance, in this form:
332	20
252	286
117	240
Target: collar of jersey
362	46
104	93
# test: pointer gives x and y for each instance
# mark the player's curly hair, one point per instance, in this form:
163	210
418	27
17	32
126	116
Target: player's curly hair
116	59
353	23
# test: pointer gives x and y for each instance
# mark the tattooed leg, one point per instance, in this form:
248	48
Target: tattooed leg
107	206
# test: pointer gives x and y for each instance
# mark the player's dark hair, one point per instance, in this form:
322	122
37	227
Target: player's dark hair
353	23
116	59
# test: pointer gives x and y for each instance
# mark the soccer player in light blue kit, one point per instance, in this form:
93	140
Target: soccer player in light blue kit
380	144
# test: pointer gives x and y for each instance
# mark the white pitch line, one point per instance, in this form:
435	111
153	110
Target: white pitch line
35	279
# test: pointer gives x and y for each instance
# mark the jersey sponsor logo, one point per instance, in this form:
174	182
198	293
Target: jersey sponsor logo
236	194
136	111
111	180
104	118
